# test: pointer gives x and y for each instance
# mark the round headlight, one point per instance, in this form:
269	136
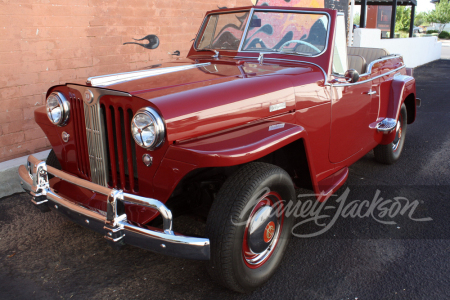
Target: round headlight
147	128
58	109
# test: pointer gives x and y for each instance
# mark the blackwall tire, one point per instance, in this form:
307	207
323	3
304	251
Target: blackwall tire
254	190
389	154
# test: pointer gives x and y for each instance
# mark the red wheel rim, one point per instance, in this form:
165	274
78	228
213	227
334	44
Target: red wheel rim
255	260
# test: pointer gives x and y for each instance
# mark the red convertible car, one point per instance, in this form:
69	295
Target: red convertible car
269	99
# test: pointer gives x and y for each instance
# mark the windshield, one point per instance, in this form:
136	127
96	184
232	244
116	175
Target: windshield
269	31
300	33
223	31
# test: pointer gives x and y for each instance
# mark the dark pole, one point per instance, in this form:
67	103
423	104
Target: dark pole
411	25
394	12
362	16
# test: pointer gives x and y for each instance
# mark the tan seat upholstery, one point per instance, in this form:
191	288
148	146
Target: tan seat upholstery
357	62
370	54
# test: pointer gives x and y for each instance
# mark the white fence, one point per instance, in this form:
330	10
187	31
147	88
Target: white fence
415	51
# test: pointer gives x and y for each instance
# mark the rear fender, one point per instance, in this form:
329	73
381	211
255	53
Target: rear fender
401	87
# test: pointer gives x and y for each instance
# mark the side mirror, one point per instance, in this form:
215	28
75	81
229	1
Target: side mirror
351	76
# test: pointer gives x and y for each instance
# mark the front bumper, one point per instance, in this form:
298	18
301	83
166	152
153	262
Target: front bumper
115	227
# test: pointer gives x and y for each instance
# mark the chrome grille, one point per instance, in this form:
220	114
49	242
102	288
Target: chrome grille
110	162
96	140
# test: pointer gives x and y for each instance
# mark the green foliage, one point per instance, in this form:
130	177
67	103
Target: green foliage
356	19
421	19
444	35
440	15
432	31
402	18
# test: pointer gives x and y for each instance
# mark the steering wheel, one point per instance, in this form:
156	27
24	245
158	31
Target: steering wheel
300	42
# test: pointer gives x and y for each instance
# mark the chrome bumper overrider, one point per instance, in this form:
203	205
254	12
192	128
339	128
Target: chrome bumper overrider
115	227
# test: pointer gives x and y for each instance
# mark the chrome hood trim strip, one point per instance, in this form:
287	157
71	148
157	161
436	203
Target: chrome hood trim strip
106	80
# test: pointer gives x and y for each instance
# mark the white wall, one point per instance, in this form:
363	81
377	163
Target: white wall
415	51
436	27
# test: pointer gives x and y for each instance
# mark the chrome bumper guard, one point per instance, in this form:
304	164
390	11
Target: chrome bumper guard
115	227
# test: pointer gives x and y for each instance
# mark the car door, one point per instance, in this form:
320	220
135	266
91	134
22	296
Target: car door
351	105
351	115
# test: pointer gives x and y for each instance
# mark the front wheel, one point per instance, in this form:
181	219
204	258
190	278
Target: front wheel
248	228
390	153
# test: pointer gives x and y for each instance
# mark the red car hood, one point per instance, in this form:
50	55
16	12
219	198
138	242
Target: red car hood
213	95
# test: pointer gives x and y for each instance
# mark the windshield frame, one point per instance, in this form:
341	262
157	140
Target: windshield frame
247	25
205	23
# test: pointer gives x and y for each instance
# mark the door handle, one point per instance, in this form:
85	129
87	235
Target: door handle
370	92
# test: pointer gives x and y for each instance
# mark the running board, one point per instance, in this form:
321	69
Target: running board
327	186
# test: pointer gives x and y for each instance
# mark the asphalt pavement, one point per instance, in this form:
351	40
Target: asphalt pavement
384	255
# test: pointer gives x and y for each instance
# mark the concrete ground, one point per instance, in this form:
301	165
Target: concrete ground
44	256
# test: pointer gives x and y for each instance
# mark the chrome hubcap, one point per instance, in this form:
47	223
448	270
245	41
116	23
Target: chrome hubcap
262	231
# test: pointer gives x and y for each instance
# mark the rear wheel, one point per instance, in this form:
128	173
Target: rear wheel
248	228
390	153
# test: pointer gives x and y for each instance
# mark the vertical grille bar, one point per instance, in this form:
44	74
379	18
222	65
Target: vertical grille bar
112	152
80	144
128	145
79	133
119	148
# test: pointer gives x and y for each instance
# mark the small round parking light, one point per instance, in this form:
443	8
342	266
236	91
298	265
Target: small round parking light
147	159
65	136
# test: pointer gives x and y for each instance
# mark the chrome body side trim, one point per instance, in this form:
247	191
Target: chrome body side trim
370	92
372	63
95	131
368	80
110	79
281	59
323	71
115	227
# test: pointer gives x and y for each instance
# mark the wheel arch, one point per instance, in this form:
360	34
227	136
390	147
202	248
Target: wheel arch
410	103
199	184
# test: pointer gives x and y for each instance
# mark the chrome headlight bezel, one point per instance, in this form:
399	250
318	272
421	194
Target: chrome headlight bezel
158	125
63	105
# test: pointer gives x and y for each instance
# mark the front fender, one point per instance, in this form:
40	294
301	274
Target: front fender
236	146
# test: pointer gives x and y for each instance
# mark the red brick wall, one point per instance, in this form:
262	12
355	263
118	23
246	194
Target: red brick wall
49	42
